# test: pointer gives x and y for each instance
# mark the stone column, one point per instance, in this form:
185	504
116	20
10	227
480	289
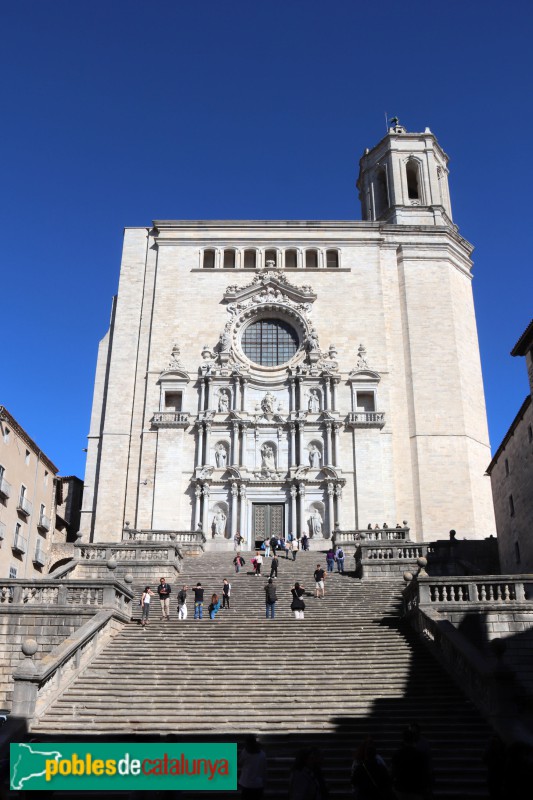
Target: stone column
333	394
202	394
291	395
234	443
336	428
328	456
208	393
292	429
236	389
207	441
243	442
331	508
197	509
301	427
326	395
294	522
200	451
244	384
301	489
234	506
205	511
338	496
242	517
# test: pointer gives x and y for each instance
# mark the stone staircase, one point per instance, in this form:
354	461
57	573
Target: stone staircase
350	669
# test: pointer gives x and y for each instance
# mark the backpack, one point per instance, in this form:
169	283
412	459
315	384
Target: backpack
340	553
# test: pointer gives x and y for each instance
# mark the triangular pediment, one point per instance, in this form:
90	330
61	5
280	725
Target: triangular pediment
270	286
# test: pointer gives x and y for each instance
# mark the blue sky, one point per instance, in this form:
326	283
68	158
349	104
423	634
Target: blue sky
120	112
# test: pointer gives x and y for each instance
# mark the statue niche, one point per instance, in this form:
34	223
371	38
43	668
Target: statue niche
221	455
223	401
218	526
268	460
315	455
316	524
313	403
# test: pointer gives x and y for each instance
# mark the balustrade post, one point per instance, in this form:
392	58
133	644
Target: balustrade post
17	594
422	588
520	592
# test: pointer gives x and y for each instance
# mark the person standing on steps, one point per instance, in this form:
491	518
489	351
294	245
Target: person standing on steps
226	592
320	577
182	603
145	605
339	558
305	541
253	766
198	601
274	564
294	549
267	548
238	562
237	539
258	564
214	606
274	544
330	559
297	604
163	590
270	599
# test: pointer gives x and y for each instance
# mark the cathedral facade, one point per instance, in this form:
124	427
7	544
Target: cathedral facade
293	376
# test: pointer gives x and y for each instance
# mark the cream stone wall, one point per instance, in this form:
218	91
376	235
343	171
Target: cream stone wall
403	291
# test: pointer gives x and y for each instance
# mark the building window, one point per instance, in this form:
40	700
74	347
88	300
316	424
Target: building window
173	401
209	259
27	457
6	435
271	255
332	259
12	572
366	401
511	505
413	182
507	466
311	259
270	342
229	259
291	259
517	552
381	198
250	259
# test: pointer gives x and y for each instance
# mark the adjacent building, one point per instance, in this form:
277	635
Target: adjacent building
511	475
289	376
27	502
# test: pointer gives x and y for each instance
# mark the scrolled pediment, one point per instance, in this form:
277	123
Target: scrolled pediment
174	374
270	286
364	376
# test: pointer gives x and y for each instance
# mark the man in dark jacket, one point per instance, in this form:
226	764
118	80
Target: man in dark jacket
198	601
274	564
270	599
163	590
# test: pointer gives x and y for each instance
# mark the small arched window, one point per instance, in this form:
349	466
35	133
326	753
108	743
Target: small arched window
332	259
250	259
291	259
209	259
311	259
229	259
270	255
413	180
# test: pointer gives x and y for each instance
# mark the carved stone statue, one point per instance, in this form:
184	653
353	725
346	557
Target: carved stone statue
314	456
267	403
223	400
312	340
316	524
175	357
219	522
314	402
362	363
268	461
221	456
224	342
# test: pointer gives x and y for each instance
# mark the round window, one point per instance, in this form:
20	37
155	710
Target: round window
270	342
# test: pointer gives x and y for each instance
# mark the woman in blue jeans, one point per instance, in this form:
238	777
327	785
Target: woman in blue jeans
214	606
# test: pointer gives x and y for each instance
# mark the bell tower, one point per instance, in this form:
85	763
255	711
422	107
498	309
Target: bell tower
403	180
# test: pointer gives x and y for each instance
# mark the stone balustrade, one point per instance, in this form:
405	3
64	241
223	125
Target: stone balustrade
170	419
51	593
436	607
371	535
188	538
38	684
366	419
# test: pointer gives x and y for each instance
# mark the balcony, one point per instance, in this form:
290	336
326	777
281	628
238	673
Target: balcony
170	419
44	523
5	488
366	419
24	506
39	557
19	543
2	530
